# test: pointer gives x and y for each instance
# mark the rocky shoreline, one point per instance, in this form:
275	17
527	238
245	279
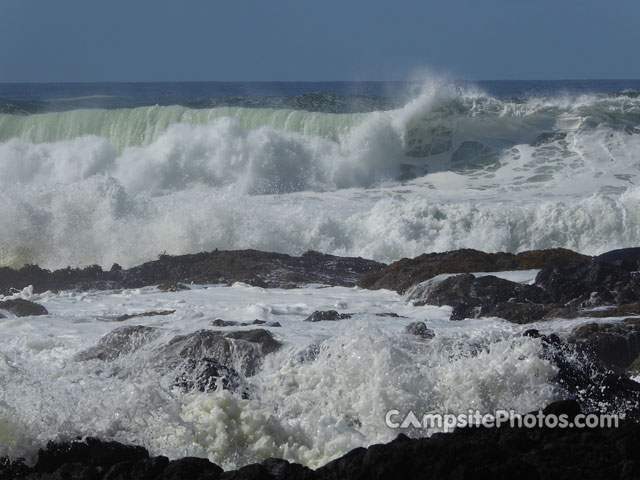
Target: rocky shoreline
594	363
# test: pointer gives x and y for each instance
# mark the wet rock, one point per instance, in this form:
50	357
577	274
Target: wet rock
23	308
231	323
172	287
585	379
403	274
253	267
128	316
501	453
218	322
263	269
243	350
206	375
419	329
259	336
191	468
389	314
326	315
121	341
611	278
613	345
472	296
524	313
93	454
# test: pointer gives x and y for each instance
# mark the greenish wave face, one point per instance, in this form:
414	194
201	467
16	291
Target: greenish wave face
141	126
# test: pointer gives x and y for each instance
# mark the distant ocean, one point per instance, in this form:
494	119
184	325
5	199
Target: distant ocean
121	173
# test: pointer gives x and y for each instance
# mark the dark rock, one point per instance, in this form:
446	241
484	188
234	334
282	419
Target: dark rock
403	274
121	341
419	329
259	336
326	315
502	453
206	374
23	308
232	323
389	314
145	468
523	313
226	267
248	346
172	287
191	468
473	296
595	387
127	316
218	322
91	453
611	278
614	345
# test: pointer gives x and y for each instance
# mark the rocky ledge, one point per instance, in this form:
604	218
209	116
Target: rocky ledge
473	452
263	269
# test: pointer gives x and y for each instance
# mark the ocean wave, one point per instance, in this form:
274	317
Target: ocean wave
451	169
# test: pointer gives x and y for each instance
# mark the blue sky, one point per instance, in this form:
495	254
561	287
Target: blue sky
145	40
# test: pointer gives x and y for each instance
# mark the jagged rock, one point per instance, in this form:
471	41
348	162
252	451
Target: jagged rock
471	296
205	374
247	346
121	341
232	323
127	316
614	345
419	329
524	313
326	315
172	287
264	269
479	452
23	308
403	274
611	278
191	468
583	376
259	336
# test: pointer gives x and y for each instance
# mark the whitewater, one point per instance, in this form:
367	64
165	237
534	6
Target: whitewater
91	179
454	167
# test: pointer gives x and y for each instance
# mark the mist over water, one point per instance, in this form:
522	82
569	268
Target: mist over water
454	167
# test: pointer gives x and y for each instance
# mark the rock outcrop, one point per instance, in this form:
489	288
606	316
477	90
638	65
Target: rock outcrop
253	267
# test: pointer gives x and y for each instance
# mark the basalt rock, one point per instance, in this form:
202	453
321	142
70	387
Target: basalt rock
502	453
326	315
585	379
247	347
206	375
403	274
478	296
253	267
128	316
611	278
118	342
419	329
232	323
613	345
23	308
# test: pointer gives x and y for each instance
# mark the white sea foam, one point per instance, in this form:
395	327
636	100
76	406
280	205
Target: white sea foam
452	169
305	408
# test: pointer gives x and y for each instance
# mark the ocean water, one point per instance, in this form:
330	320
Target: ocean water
97	174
